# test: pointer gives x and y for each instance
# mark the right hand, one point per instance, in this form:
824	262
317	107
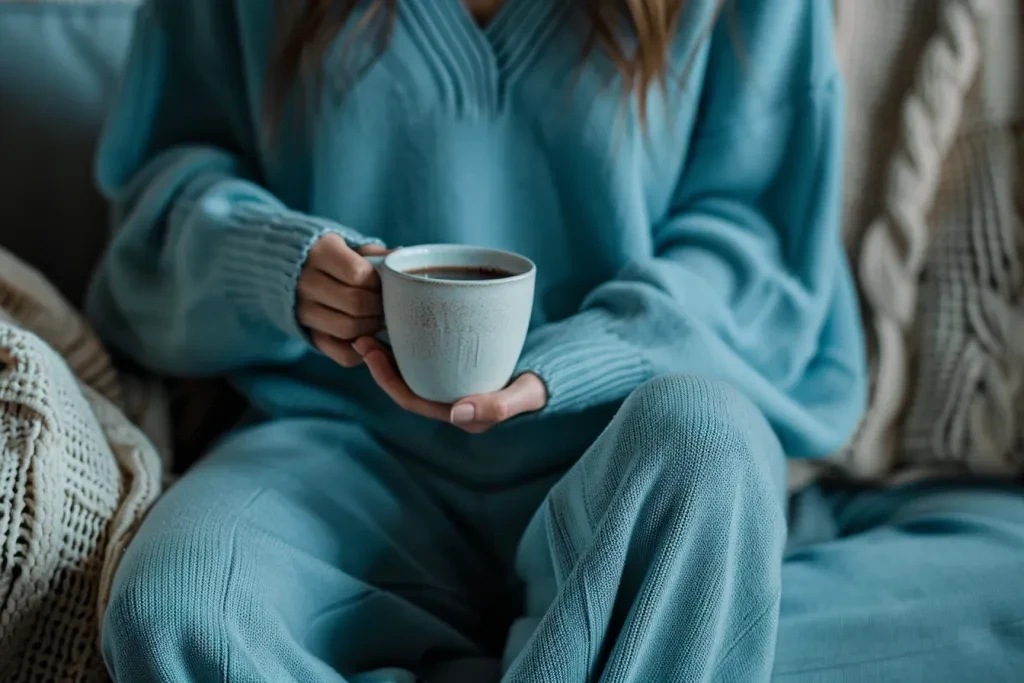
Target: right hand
338	298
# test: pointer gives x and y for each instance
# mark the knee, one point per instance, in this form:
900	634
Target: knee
684	448
166	618
688	410
700	427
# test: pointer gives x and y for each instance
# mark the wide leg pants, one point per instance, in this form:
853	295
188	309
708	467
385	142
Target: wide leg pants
304	550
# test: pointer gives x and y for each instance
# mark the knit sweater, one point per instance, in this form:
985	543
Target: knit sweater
703	240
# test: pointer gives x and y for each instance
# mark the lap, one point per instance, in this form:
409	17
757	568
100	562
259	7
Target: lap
899	579
330	493
311	532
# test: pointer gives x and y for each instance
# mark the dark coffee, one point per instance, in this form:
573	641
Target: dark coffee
460	273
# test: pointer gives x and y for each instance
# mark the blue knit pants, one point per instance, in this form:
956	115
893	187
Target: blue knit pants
304	550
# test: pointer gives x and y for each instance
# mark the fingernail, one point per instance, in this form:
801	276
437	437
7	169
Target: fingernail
463	413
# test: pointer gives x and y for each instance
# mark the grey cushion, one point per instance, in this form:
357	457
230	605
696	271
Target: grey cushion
59	68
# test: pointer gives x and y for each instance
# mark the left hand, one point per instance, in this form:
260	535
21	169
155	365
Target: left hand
473	414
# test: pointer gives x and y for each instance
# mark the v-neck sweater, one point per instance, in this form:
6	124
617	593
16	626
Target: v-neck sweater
703	239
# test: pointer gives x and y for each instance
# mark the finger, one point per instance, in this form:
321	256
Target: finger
365	345
384	372
388	378
374	250
324	289
361	303
339	351
338	325
526	394
334	257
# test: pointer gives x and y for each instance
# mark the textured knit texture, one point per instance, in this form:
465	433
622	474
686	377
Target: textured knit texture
75	480
307	550
937	237
716	250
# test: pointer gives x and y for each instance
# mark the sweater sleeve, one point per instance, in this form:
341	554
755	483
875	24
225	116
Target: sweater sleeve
201	273
747	281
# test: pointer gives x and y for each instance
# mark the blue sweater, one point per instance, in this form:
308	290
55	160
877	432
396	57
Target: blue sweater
705	242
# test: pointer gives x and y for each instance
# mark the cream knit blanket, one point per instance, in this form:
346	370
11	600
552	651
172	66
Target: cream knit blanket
76	478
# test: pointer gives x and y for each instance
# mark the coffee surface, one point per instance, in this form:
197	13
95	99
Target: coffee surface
460	273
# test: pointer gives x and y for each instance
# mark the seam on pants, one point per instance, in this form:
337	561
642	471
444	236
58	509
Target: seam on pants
557	527
764	613
565	558
226	667
656	569
224	603
566	553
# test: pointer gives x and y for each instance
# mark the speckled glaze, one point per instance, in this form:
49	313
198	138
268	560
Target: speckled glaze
455	338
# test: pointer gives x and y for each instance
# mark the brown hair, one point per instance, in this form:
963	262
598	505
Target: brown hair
635	34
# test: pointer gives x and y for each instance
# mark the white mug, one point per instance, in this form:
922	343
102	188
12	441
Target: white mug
456	316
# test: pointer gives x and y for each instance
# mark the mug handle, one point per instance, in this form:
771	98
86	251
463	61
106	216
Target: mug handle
378	264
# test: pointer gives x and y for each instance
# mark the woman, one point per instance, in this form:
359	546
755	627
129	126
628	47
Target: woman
617	512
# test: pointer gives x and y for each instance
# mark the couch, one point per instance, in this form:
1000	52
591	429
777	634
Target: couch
59	65
932	211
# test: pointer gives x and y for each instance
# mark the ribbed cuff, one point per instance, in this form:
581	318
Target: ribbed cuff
268	247
582	363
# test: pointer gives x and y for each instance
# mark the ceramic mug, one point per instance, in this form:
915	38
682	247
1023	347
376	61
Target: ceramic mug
456	316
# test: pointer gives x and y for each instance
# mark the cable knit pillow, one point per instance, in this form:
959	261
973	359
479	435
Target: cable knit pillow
934	223
75	479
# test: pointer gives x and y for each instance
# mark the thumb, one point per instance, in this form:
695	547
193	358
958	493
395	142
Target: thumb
485	409
525	394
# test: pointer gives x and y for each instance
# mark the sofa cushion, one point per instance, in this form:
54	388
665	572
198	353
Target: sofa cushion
59	68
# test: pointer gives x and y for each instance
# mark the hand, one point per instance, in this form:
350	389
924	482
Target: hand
474	414
339	297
